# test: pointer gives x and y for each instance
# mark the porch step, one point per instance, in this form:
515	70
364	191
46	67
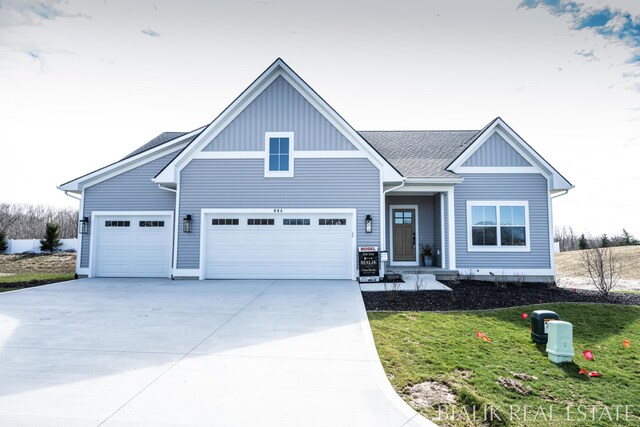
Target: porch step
412	282
439	273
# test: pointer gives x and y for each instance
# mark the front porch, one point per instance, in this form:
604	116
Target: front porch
418	216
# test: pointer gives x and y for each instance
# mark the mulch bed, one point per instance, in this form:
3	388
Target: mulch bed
30	284
476	295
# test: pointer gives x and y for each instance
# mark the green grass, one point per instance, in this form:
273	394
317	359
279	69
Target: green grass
420	346
36	277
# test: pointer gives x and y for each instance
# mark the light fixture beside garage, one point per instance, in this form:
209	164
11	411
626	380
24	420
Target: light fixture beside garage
186	224
84	225
368	224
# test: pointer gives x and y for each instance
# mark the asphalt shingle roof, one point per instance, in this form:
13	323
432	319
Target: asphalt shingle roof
420	154
158	140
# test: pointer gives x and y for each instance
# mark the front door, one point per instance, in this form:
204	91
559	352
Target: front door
404	235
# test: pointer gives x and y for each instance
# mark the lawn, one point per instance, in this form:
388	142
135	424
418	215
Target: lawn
443	348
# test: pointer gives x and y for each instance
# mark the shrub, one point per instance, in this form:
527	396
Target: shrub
603	267
582	242
51	241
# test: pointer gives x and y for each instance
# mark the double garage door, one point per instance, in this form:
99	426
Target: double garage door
133	246
236	245
279	245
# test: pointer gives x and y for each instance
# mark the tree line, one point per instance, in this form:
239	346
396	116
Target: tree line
25	221
569	240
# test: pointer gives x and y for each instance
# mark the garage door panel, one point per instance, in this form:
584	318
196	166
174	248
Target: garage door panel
294	246
133	251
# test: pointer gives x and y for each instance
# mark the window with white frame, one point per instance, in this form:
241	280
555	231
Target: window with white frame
498	226
278	160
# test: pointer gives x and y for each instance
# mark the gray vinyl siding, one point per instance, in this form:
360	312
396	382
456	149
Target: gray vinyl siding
496	152
437	231
240	183
129	191
279	108
426	227
516	187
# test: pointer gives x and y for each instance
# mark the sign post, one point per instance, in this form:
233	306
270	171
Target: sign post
368	264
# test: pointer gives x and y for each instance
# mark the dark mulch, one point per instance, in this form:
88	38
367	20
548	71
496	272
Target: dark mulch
476	295
30	284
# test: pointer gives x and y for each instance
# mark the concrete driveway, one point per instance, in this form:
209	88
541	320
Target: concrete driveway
132	352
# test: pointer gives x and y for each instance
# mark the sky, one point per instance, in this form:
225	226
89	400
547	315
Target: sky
83	83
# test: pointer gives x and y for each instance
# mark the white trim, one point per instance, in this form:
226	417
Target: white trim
176	228
497	204
81	237
416	223
552	249
186	272
128	163
452	227
499	169
279	211
307	154
443	263
82	272
289	173
229	155
518	144
94	229
419	189
431	181
277	69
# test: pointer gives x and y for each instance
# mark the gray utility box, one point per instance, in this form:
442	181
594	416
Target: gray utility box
560	345
539	325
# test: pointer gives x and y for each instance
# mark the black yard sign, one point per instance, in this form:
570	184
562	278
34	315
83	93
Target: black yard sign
368	263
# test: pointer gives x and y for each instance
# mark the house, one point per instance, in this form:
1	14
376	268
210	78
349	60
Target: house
279	185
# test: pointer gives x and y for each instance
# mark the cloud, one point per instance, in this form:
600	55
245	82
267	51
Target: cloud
588	55
612	24
15	13
150	32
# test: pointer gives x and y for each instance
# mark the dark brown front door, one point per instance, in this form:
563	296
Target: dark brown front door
404	234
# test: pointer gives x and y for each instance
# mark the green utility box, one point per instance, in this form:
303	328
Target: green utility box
560	345
539	325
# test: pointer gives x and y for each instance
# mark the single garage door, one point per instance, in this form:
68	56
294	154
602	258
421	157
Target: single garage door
279	246
133	246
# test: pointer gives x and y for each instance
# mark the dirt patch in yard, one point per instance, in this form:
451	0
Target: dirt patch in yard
429	394
64	262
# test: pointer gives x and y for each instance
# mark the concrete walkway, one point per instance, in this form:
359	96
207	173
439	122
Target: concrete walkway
132	352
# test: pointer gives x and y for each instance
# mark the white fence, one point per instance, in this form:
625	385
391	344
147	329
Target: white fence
19	246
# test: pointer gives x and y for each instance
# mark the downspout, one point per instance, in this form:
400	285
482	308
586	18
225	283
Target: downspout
384	211
162	187
66	193
560	194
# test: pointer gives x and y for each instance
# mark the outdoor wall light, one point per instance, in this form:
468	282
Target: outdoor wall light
186	224
368	224
84	225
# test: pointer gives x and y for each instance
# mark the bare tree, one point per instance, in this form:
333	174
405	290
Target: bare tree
566	237
603	266
20	221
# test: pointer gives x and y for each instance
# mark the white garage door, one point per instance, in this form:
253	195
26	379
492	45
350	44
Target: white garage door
279	246
133	246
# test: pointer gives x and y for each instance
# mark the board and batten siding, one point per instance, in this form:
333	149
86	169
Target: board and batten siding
279	108
240	184
515	187
495	151
426	226
130	191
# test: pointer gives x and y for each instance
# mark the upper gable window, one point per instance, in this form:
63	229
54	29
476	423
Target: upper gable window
278	160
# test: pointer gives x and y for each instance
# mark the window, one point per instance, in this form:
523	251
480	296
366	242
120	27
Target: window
498	226
332	221
151	223
117	223
225	221
278	154
260	221
296	221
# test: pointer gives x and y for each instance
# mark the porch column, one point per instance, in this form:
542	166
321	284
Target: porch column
452	228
